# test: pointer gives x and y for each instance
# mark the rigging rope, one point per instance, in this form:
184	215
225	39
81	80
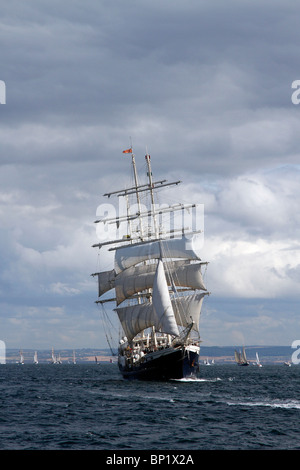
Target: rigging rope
106	321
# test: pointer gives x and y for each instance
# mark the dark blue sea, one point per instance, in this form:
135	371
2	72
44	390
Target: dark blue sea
90	407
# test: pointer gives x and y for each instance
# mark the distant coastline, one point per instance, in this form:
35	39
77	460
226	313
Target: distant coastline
220	354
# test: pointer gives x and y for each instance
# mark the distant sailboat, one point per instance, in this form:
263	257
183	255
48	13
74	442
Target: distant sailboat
74	358
258	361
21	361
288	364
35	358
240	358
206	362
53	358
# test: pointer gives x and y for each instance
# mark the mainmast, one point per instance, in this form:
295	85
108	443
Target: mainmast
137	192
147	157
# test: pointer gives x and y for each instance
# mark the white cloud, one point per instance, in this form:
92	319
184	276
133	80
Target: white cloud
253	269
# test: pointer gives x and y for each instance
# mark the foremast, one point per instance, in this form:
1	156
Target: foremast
157	275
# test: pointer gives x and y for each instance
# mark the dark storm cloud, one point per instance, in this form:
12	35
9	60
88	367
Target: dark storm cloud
184	78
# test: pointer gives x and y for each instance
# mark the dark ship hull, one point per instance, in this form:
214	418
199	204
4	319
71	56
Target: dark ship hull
166	364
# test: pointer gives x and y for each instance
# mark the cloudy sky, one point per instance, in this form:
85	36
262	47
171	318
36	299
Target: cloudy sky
206	87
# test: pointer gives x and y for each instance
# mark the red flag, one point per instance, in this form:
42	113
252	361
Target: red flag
127	151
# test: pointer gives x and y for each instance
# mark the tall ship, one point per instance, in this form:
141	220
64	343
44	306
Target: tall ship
156	281
241	358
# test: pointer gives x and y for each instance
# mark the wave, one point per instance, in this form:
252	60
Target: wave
286	404
191	379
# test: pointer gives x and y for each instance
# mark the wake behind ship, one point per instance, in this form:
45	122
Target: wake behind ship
157	282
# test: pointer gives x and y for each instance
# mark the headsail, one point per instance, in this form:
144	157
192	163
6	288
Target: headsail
162	303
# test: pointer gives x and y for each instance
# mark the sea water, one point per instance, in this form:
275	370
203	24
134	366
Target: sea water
90	406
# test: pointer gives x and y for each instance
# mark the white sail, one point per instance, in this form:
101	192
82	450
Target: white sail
187	309
136	318
244	358
106	281
21	357
139	278
162	303
159	314
258	361
237	356
35	358
54	361
187	248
